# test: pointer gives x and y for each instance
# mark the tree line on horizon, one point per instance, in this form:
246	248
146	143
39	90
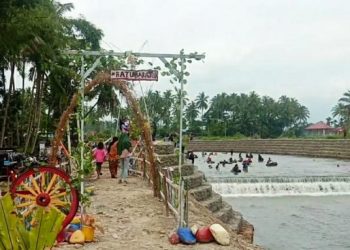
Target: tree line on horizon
247	115
227	114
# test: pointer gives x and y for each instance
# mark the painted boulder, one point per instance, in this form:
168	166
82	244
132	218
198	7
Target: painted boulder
204	235
220	234
77	237
186	236
174	239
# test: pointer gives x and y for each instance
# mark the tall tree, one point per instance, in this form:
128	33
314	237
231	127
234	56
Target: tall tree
191	113
202	102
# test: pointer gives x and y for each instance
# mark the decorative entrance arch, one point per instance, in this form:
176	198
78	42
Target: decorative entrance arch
105	78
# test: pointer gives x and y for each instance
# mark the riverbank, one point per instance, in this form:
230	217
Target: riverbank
337	148
133	219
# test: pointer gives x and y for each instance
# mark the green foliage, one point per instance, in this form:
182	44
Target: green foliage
342	111
9	234
42	234
88	169
48	223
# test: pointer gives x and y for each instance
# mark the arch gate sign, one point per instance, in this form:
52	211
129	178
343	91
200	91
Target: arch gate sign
135	75
119	80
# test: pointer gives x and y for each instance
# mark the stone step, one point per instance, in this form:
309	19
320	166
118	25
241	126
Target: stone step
214	203
186	169
194	180
225	214
236	221
167	160
163	148
203	192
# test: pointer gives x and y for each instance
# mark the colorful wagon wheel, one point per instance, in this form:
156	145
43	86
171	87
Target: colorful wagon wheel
45	187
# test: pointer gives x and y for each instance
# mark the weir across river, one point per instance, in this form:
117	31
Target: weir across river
281	185
279	179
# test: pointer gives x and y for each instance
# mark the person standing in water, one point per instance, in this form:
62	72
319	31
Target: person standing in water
191	157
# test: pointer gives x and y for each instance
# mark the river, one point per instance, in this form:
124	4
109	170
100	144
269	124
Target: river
303	203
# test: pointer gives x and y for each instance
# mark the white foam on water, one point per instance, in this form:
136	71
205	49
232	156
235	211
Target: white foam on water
283	188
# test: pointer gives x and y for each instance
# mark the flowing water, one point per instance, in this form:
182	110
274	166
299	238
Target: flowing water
303	203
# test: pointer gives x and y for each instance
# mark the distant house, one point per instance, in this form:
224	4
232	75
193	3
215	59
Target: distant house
320	128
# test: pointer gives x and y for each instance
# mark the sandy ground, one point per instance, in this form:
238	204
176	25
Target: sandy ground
133	219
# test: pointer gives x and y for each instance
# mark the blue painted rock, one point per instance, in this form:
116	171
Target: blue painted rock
73	227
186	236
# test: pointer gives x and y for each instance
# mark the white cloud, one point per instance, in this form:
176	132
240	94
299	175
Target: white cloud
298	48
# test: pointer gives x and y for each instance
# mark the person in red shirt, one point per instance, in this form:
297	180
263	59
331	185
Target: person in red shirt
113	157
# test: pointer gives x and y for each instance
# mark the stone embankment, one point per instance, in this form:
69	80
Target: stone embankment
203	194
303	147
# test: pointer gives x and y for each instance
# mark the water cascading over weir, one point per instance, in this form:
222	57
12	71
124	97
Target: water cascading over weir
280	185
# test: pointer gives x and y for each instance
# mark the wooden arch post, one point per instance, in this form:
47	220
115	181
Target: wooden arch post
105	78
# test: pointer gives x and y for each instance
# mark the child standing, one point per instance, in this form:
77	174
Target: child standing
99	156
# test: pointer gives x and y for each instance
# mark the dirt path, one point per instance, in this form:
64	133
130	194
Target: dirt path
133	219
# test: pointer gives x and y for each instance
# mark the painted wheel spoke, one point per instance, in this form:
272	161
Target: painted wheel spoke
26	204
26	187
26	196
54	177
59	203
59	195
42	182
57	187
35	184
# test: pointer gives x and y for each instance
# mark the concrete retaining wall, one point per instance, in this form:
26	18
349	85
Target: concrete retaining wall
203	193
304	147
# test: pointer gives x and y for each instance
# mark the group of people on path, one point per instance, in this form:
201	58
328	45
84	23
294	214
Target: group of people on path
118	150
101	154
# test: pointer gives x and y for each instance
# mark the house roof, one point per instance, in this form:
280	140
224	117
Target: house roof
340	129
319	126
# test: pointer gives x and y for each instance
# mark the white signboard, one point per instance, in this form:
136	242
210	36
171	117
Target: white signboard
135	75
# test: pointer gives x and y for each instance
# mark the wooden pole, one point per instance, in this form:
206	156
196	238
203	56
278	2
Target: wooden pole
144	165
165	190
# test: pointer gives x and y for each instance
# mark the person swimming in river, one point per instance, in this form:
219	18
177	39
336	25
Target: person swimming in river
209	160
235	169
230	160
210	166
271	163
245	164
260	158
217	166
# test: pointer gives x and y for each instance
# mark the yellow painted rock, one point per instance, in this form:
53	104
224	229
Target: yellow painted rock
77	237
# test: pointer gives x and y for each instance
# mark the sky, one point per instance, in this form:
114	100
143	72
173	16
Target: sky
298	48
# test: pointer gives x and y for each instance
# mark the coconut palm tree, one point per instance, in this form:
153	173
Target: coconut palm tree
202	102
191	113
